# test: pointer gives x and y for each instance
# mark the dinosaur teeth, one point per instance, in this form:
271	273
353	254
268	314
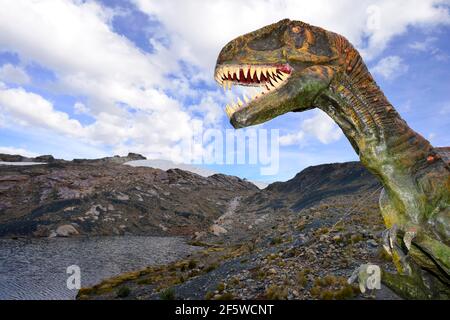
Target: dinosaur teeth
252	73
258	73
264	80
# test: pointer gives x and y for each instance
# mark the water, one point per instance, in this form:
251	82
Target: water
36	268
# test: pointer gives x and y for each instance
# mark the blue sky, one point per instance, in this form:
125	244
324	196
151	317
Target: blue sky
98	78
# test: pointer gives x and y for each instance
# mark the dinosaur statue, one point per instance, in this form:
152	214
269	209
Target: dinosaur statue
301	67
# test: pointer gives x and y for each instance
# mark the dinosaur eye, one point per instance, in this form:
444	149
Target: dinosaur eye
297	34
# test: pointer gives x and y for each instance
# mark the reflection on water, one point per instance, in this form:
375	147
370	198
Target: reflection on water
36	268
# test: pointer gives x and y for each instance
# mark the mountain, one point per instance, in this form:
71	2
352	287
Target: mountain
299	239
105	197
166	165
331	189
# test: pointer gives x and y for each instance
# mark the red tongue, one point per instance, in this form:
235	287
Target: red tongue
284	69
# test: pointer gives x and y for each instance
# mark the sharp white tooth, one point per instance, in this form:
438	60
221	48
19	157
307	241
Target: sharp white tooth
283	76
238	71
276	84
252	73
226	71
273	71
258	73
239	102
219	79
271	85
233	72
228	110
249	75
224	75
246	99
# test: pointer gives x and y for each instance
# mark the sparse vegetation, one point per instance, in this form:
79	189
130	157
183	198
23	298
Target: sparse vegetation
123	292
275	292
211	267
221	286
302	280
276	240
209	295
226	296
192	264
332	288
167	294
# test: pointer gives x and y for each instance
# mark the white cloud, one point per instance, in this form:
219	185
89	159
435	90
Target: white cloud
210	108
29	109
80	108
13	74
20	151
291	138
135	106
203	28
423	45
74	40
428	46
320	127
390	67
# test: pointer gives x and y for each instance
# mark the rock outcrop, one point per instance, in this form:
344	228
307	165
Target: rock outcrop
105	197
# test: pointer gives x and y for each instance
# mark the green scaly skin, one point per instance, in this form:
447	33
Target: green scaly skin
326	72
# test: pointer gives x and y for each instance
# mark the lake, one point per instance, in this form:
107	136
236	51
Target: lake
36	268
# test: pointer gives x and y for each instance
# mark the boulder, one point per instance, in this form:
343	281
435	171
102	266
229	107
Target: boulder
66	230
217	230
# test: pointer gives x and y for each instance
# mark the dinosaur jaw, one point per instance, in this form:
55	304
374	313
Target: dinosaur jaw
269	78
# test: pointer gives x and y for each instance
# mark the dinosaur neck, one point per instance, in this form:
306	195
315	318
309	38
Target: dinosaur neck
386	145
376	131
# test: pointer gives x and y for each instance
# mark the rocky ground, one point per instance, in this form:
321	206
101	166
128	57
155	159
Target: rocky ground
300	239
105	197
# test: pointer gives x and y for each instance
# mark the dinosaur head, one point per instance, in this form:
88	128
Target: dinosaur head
282	59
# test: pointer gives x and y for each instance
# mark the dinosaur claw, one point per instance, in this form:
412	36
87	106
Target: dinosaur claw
393	235
386	242
408	237
389	238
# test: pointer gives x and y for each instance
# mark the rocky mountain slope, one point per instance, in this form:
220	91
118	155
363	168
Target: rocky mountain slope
105	197
300	239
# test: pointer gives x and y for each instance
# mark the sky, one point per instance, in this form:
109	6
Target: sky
88	79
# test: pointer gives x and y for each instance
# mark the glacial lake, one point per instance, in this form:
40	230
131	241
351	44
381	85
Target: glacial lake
36	268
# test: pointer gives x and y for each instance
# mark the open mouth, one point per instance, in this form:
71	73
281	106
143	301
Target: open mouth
269	78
